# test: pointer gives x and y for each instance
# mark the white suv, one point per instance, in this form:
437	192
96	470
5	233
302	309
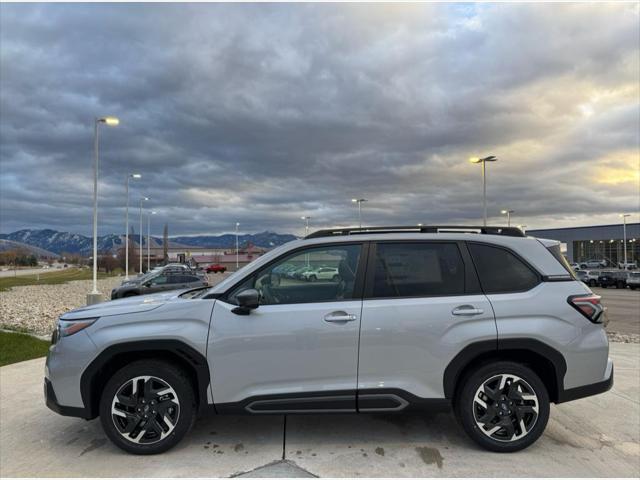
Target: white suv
482	319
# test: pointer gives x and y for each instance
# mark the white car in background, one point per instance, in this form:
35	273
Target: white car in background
322	273
633	280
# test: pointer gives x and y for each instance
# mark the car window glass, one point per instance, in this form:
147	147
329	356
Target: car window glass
417	269
318	274
159	280
500	271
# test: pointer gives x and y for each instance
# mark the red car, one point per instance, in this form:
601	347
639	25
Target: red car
216	268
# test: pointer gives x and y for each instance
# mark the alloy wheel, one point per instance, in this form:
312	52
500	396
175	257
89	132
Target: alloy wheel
145	410
505	407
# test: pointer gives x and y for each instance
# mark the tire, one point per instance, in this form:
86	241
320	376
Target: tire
171	425
313	278
488	378
336	278
592	283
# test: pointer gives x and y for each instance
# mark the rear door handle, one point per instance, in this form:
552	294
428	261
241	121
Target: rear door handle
467	310
339	317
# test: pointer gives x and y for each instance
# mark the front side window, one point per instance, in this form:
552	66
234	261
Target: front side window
500	271
319	274
418	270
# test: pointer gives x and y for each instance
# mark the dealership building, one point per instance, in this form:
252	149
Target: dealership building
600	242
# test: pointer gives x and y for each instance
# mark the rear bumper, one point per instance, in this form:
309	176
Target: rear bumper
586	390
52	402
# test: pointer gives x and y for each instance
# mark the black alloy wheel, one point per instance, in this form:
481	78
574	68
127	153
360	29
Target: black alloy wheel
147	407
503	406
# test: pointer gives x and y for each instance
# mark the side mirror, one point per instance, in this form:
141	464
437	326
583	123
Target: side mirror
247	300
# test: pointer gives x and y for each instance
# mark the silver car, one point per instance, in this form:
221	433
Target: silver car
480	319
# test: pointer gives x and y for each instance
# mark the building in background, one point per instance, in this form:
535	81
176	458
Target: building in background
600	242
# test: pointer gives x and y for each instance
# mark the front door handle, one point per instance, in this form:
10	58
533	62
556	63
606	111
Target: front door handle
339	317
467	310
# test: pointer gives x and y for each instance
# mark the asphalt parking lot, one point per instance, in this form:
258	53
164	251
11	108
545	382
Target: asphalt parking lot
623	309
597	436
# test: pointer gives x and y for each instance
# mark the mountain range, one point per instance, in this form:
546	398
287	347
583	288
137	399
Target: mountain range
59	242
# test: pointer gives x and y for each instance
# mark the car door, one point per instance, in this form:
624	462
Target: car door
298	351
156	284
422	305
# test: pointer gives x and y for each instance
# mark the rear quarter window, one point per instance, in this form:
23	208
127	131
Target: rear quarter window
500	271
557	254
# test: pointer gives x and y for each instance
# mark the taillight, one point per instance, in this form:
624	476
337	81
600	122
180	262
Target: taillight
589	306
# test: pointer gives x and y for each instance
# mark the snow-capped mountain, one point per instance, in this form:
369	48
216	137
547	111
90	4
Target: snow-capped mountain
59	242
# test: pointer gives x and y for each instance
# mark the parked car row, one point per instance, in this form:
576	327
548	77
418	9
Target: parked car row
603	264
609	278
310	273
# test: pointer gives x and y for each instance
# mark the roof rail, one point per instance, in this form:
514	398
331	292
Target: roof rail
334	232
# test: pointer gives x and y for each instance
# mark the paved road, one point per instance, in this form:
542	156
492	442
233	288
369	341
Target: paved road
597	436
27	271
623	309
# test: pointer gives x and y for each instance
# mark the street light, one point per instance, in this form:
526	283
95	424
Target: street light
237	252
359	202
624	235
483	161
126	227
94	296
508	214
149	240
306	225
142	199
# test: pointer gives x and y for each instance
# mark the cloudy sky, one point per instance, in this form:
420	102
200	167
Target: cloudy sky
263	113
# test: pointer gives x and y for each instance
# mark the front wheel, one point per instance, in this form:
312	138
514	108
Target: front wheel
592	283
503	406
147	407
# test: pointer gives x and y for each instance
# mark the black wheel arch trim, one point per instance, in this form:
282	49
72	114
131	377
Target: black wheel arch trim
472	352
186	353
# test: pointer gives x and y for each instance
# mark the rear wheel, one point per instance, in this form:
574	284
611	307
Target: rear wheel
147	407
503	406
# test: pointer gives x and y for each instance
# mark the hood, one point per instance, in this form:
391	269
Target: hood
137	304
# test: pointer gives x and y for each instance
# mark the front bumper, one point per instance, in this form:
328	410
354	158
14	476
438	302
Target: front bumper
52	402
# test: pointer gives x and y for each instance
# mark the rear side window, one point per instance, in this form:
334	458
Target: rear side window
417	270
557	254
500	271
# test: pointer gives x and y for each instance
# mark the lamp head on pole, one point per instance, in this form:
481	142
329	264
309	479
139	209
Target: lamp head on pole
111	121
135	175
490	158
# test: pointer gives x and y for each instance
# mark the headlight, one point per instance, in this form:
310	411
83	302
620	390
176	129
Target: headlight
69	327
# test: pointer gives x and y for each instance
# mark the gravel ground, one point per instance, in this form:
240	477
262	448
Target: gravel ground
35	308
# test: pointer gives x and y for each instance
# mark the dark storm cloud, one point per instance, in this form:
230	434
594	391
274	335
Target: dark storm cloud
263	113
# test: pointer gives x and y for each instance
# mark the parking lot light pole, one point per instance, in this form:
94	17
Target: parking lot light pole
624	235
142	199
484	161
126	227
306	224
149	240
94	296
237	247
359	202
508	214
